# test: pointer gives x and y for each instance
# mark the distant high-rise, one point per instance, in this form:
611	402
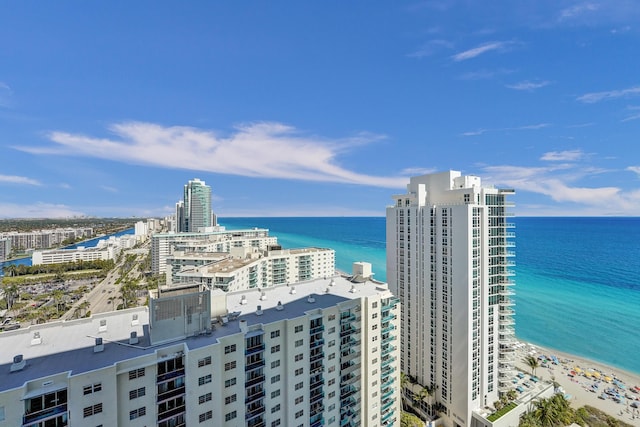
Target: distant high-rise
194	212
449	260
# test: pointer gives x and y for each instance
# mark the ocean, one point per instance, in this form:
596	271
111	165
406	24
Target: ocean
577	279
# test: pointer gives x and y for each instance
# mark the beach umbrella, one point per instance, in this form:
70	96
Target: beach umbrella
607	379
596	374
578	370
587	374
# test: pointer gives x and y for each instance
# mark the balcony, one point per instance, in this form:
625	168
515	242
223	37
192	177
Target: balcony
254	380
171	413
45	413
254	411
388	349
255	349
316	397
316	343
170	375
316	330
255	396
254	365
170	394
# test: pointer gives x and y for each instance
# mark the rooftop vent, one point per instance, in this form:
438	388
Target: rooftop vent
311	299
243	300
133	338
332	282
326	291
279	307
353	289
259	311
36	339
263	296
18	363
293	290
99	346
243	326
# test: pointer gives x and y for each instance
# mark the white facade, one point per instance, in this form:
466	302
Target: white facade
220	240
5	248
323	353
449	260
58	256
248	268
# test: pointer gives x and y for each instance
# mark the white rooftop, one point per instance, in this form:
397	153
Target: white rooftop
68	346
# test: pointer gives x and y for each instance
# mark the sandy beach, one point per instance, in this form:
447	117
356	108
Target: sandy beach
586	382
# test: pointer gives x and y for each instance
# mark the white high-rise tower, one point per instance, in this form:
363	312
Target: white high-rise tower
449	258
194	212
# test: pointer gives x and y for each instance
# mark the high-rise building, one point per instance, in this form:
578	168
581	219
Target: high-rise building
449	260
318	353
194	213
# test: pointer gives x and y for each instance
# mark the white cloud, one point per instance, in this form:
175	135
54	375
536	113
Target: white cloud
528	85
37	210
563	156
262	150
13	179
485	74
526	127
561	184
109	189
591	98
577	10
431	47
417	171
477	51
5	94
634	169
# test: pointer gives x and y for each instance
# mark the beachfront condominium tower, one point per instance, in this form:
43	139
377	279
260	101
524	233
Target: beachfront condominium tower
449	258
194	212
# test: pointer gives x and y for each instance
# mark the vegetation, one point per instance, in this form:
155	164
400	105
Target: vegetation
408	419
503	410
13	270
99	225
533	363
556	412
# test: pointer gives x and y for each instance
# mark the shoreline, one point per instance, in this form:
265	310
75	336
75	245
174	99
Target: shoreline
583	381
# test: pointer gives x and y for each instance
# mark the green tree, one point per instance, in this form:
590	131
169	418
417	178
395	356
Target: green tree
533	363
410	420
11	293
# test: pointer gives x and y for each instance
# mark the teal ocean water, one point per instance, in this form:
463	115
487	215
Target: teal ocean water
577	279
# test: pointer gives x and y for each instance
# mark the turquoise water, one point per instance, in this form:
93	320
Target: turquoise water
577	279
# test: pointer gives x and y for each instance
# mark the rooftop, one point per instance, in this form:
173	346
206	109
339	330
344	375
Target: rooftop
68	346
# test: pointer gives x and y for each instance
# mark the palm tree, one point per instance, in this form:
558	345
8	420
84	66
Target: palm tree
11	293
533	363
404	380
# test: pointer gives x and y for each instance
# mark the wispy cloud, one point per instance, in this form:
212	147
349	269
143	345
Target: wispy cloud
577	10
634	116
263	150
563	156
109	189
5	95
590	98
634	169
37	210
431	47
483	48
485	74
417	171
13	179
529	85
526	127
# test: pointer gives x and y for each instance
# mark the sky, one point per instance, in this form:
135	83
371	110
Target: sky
291	108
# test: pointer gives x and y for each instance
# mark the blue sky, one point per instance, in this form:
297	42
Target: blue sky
316	109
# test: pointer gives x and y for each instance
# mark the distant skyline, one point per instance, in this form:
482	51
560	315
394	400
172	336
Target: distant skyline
316	109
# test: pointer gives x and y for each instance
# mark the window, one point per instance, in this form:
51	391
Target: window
134	394
298	328
275	423
204	362
332	343
230	382
332	407
204	380
230	399
275	364
275	334
299	357
299	385
299	399
332	317
136	373
275	408
332	356
275	393
229	365
206	416
137	413
92	410
299	343
275	379
204	398
275	348
93	388
332	368
229	349
374	305
332	395
231	415
332	329
332	381
299	371
299	414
